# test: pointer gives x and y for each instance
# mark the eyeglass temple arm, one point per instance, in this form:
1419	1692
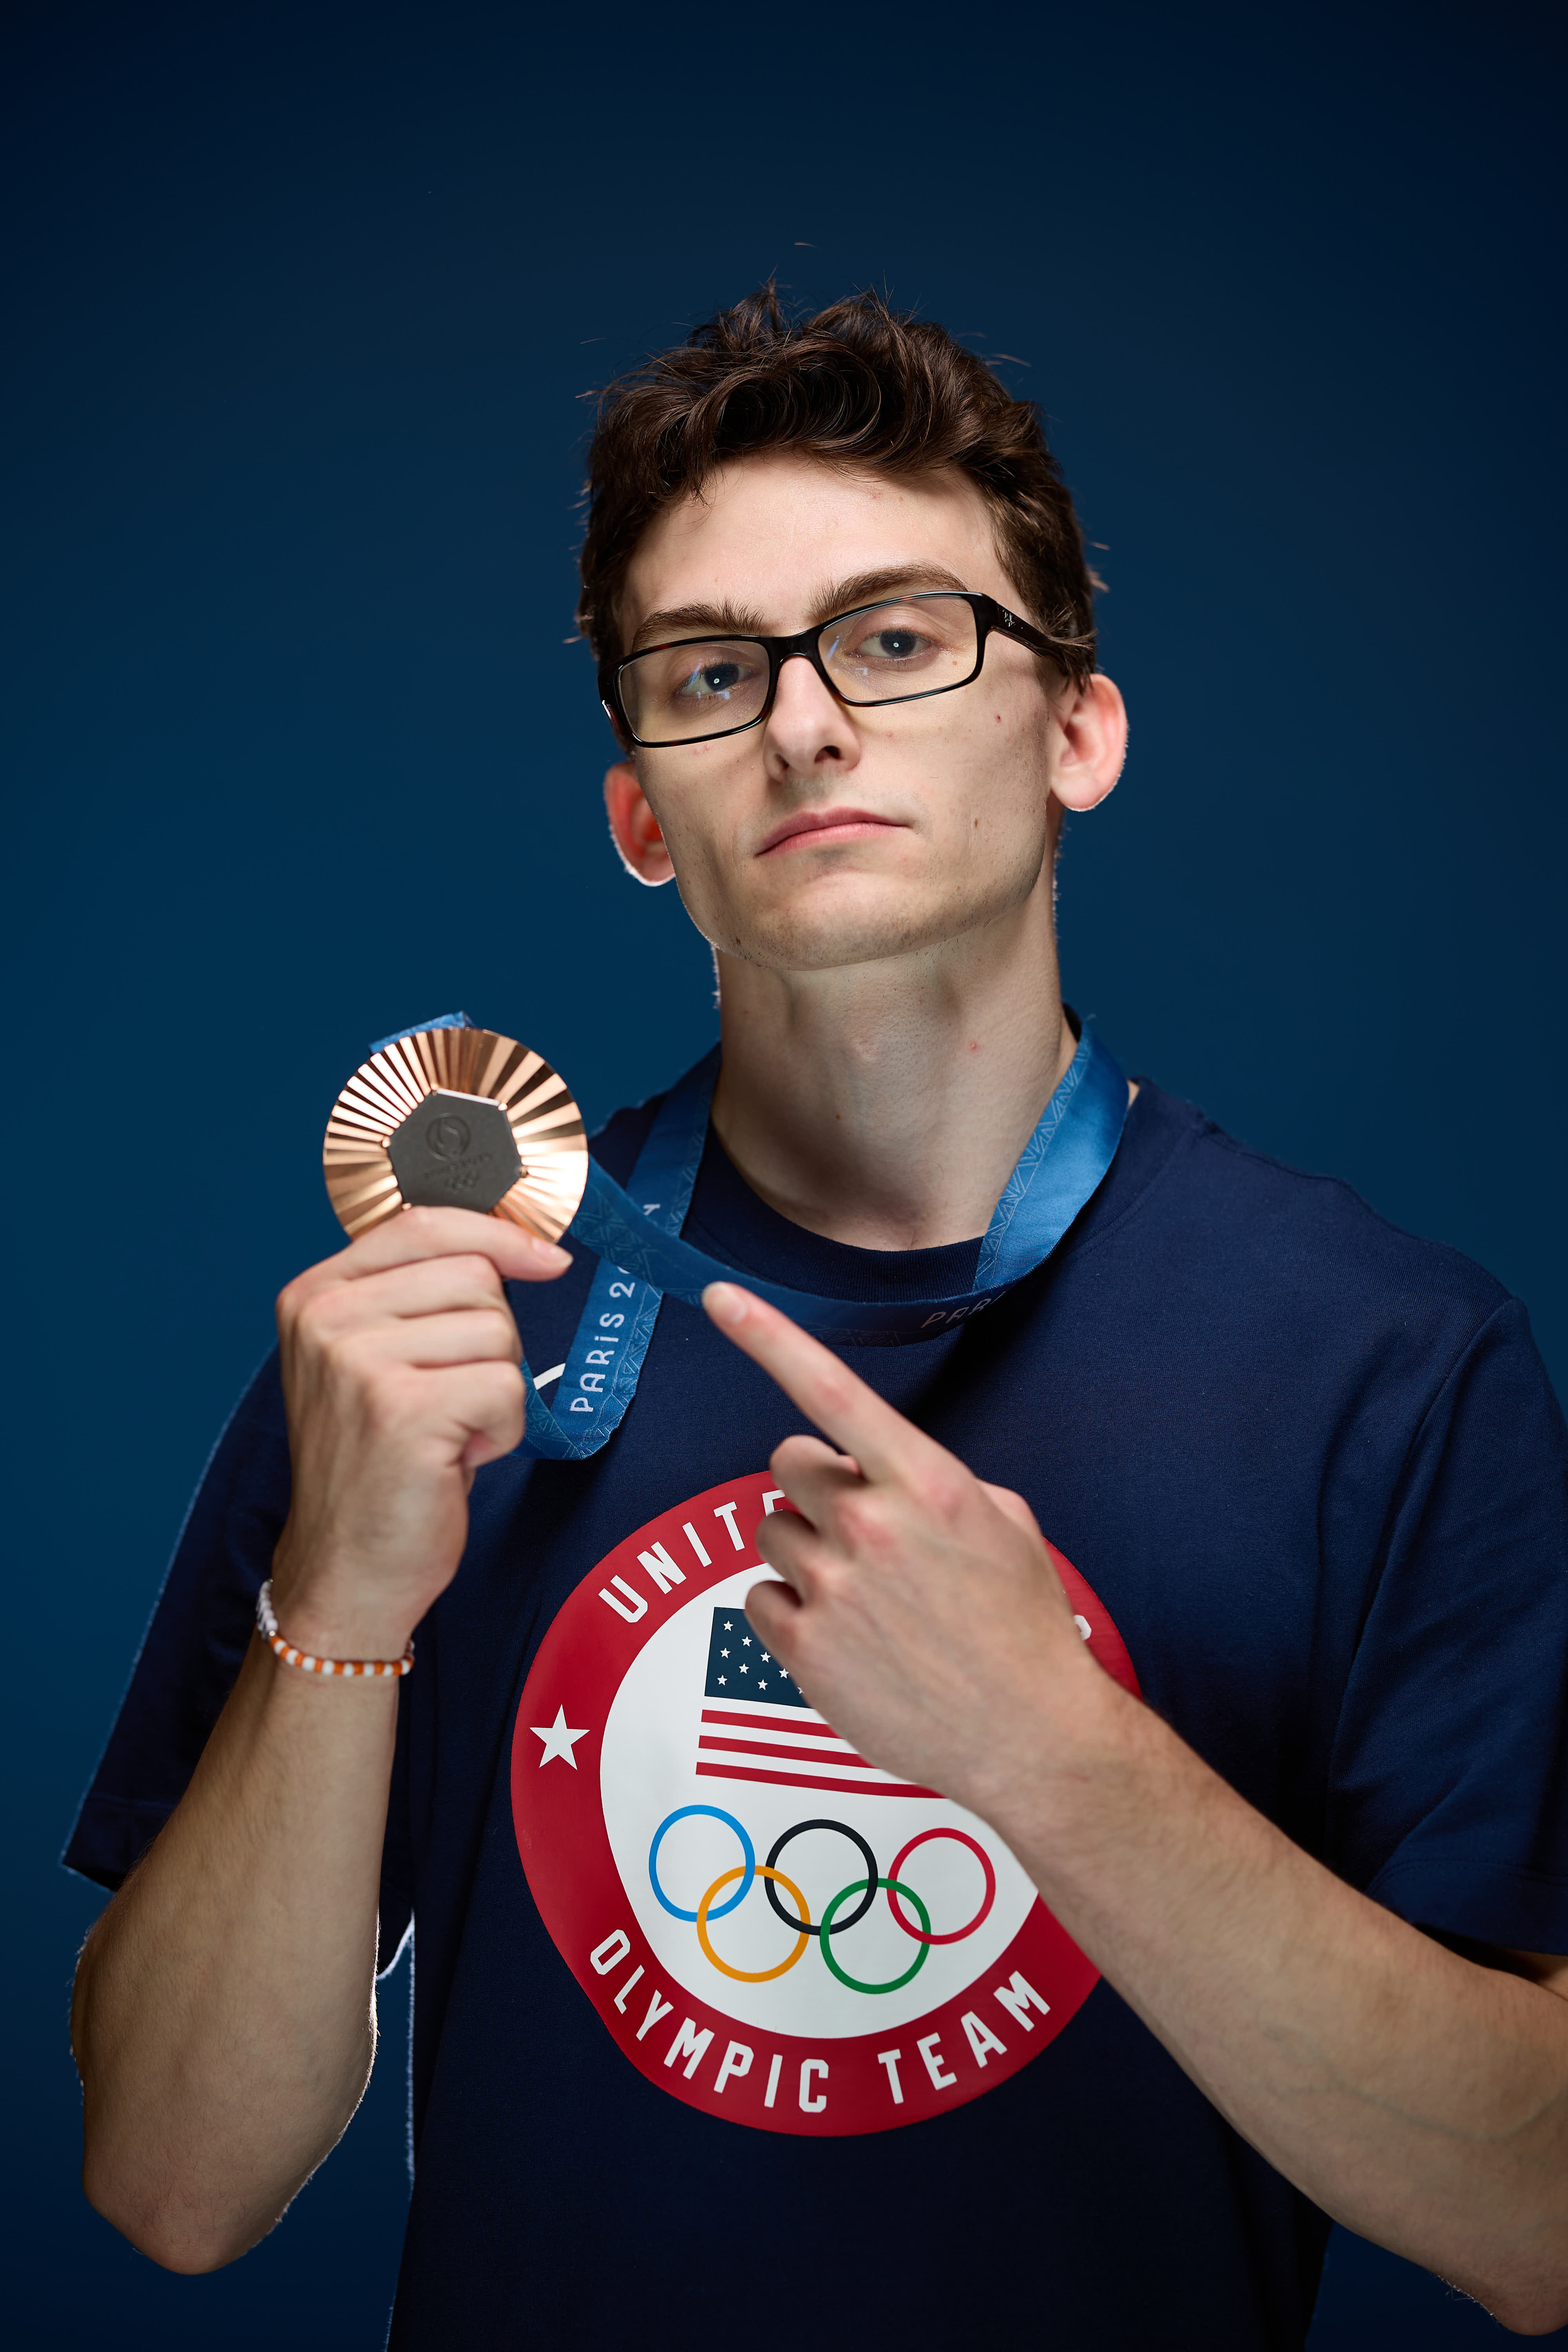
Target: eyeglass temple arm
1022	632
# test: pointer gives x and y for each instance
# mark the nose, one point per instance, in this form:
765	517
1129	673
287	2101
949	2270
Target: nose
808	728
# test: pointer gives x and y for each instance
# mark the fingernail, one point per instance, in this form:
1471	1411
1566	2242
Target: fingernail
724	1303
552	1253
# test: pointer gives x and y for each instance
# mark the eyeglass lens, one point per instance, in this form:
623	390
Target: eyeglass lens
921	645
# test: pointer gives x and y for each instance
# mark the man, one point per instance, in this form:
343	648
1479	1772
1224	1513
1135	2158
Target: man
1272	1742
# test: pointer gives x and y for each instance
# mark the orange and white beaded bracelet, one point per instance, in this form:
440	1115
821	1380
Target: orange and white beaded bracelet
280	1647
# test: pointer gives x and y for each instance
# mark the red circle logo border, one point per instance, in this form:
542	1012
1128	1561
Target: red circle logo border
771	2082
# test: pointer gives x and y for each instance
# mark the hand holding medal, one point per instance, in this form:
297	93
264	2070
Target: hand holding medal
400	1354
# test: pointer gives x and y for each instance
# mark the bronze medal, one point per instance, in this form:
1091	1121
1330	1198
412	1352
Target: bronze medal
456	1118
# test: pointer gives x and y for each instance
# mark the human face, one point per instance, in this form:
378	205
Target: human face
831	837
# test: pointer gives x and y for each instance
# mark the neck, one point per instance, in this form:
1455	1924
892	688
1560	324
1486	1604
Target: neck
885	1104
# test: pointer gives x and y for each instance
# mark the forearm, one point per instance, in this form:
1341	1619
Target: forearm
223	2020
1420	2098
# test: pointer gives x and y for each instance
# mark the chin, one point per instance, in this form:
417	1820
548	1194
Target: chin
823	939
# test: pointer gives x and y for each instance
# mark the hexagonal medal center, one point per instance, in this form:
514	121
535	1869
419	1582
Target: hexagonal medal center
456	1151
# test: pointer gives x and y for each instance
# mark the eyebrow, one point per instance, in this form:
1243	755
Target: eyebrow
869	587
725	620
730	620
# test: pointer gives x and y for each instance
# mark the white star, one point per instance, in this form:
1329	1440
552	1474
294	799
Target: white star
745	1640
723	1654
729	1626
723	1678
764	1657
557	1738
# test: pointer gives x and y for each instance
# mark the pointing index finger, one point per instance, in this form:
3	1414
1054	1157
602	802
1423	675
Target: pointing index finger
853	1415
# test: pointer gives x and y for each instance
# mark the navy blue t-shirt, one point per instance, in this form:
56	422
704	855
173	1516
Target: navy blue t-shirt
1308	1470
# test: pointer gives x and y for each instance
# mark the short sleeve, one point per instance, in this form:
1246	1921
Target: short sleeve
193	1653
1448	1792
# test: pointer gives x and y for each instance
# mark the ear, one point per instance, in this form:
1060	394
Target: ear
1093	719
634	828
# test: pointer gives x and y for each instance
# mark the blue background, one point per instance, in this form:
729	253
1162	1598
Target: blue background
302	301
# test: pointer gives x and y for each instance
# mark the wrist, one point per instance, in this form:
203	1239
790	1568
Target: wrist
312	1661
327	1612
1073	1775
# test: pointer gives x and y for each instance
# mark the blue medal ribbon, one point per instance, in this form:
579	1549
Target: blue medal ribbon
636	1233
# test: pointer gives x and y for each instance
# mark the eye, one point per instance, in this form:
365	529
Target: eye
896	644
711	680
891	644
706	677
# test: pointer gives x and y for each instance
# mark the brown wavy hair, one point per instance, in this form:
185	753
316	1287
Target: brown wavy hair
859	385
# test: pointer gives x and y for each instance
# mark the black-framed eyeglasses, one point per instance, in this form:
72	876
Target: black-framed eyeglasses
900	649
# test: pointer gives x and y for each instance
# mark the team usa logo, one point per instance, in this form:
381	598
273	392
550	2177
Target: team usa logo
771	1929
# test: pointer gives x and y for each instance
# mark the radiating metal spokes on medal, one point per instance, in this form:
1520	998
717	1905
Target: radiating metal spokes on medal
455	1117
800	1924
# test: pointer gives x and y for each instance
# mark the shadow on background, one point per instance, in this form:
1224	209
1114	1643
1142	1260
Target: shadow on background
303	301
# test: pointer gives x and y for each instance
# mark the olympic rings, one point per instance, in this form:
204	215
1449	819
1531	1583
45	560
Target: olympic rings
804	1930
920	1958
681	1813
956	1935
854	1838
755	1976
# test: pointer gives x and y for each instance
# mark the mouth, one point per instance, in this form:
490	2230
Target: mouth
827	828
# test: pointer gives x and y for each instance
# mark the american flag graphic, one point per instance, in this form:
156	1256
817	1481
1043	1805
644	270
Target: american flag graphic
756	1726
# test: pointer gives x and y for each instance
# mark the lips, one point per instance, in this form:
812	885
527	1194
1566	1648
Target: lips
825	826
